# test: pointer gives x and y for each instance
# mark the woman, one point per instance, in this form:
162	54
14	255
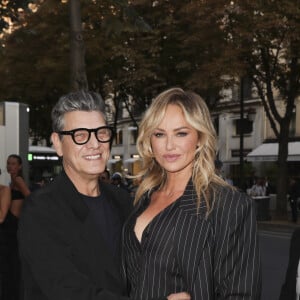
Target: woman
190	231
5	200
19	190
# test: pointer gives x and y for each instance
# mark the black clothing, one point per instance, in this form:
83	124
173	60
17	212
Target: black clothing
288	290
294	194
182	249
9	255
106	220
63	254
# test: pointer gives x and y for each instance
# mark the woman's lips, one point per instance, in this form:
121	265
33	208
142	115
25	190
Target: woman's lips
171	157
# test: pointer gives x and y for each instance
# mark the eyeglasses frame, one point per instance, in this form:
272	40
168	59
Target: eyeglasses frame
73	131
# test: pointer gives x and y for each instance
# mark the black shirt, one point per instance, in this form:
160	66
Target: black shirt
106	220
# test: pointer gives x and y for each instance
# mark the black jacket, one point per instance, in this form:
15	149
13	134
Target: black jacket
288	290
63	256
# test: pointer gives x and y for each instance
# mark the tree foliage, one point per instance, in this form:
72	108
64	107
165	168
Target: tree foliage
140	47
264	39
12	11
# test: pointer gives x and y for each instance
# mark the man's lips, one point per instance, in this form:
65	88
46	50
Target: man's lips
93	157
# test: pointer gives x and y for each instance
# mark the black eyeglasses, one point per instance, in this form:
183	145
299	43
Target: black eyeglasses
80	136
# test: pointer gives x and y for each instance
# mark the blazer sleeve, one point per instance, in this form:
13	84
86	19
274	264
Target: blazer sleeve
238	271
50	261
235	257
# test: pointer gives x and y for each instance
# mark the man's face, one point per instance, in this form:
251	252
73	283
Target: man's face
82	162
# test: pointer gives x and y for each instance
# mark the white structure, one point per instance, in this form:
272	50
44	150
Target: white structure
14	135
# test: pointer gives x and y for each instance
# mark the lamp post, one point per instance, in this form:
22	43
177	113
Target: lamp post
241	169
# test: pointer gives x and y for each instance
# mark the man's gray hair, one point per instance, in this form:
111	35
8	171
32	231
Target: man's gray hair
75	101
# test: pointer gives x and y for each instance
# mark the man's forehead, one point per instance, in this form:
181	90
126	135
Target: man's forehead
83	119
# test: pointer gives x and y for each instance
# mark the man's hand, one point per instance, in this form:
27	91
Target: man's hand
179	296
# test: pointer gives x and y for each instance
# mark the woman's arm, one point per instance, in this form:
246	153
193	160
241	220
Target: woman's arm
237	271
229	266
19	184
5	201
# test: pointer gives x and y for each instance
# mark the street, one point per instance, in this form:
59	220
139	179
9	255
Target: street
274	255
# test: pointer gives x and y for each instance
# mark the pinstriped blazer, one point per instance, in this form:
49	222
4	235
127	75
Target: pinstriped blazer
214	257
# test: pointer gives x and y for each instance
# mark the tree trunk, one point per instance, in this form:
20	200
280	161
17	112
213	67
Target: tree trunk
78	78
282	184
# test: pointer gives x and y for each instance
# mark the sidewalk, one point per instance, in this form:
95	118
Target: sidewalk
279	225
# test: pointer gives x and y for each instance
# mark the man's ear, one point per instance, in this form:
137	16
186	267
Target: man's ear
55	138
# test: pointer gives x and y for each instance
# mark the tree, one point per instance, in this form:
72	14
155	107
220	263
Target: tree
264	37
78	78
36	56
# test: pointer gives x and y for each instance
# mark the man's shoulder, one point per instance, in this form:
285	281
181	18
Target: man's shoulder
47	196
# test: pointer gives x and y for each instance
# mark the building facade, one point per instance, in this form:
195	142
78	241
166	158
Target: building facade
242	127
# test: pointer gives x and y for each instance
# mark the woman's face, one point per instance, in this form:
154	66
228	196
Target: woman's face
174	142
13	166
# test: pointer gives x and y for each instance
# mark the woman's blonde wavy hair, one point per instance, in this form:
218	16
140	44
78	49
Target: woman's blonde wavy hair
197	115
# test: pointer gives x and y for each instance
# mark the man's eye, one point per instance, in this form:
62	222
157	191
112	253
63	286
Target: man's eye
80	134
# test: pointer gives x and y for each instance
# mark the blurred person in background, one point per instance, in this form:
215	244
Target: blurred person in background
105	176
19	191
294	194
117	180
5	202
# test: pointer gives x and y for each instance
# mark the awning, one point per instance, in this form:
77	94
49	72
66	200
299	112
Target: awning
131	160
41	149
269	152
113	161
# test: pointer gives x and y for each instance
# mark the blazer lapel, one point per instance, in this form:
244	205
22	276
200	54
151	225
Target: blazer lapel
194	230
86	228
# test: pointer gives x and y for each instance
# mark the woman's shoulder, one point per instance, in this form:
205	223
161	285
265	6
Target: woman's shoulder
230	205
228	195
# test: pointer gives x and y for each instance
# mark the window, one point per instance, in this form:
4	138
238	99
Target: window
133	134
244	125
119	137
216	124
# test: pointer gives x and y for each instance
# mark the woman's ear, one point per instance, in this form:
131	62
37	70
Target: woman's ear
55	138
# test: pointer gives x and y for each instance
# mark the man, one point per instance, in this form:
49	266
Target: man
117	180
294	194
291	286
69	231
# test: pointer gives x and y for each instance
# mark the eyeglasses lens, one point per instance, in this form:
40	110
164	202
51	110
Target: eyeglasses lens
104	134
81	136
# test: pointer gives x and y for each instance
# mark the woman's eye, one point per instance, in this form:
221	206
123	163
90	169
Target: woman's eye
158	134
182	133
